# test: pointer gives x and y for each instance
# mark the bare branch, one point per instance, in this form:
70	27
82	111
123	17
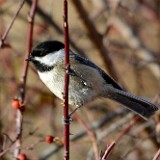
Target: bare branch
66	84
4	36
24	78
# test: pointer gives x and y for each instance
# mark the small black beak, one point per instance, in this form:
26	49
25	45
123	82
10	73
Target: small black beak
30	58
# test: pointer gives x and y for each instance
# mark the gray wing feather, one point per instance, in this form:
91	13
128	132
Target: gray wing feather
106	77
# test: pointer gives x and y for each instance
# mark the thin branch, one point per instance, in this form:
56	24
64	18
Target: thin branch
108	151
157	155
8	148
4	36
24	78
91	134
119	137
114	126
52	23
94	126
66	84
127	128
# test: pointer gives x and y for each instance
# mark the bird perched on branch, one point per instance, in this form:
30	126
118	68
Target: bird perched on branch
87	80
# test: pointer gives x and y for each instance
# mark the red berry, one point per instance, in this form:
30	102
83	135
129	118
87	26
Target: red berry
16	103
22	156
49	139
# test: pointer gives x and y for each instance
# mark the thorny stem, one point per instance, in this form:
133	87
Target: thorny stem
66	84
24	78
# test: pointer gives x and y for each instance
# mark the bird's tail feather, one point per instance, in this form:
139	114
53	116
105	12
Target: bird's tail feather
140	106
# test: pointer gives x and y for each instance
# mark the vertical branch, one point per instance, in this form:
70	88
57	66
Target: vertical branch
66	83
24	78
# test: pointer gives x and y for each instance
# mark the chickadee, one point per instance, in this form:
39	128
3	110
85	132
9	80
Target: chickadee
87	80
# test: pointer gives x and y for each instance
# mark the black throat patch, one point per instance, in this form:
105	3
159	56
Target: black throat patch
42	67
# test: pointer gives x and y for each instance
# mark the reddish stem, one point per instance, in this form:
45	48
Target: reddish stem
91	134
108	150
157	155
66	83
127	128
119	137
24	78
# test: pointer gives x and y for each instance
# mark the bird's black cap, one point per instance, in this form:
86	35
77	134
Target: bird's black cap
46	47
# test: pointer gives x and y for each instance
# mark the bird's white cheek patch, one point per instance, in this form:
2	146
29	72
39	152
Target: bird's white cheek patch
47	60
51	58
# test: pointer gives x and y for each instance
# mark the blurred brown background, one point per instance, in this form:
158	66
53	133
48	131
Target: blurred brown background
125	33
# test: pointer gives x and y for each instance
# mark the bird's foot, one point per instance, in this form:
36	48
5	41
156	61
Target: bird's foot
74	110
69	119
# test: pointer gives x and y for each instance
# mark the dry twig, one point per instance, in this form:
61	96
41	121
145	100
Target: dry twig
24	78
